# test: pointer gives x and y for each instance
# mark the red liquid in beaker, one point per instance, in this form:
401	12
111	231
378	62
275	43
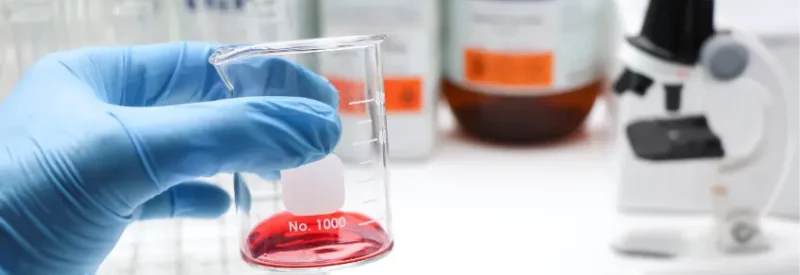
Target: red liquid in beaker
288	241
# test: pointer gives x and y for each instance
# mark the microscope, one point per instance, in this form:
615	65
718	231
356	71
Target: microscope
673	70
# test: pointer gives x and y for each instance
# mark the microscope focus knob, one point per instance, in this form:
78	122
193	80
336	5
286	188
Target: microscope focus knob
740	232
724	57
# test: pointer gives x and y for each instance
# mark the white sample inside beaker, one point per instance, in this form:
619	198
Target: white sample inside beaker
316	188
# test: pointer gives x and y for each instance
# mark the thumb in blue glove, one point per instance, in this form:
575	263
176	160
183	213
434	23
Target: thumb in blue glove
93	139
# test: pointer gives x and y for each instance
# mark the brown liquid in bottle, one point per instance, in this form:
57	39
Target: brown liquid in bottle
521	119
532	49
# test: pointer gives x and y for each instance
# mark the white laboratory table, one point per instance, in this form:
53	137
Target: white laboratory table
471	208
475	208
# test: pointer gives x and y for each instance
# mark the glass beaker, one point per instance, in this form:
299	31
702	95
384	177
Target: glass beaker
334	212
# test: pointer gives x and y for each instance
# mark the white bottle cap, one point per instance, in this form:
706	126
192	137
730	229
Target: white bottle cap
316	188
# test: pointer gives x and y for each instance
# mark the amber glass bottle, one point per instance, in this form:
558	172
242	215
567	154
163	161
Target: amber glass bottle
523	71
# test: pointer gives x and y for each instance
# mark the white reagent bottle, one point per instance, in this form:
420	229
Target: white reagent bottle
411	68
257	21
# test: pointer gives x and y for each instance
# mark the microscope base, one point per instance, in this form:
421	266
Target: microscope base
701	253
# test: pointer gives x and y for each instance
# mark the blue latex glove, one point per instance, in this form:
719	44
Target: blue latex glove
93	139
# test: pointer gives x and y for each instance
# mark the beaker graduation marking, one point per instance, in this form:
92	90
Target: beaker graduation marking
366	180
371	201
263	198
370	221
366	121
369	161
361	102
357	143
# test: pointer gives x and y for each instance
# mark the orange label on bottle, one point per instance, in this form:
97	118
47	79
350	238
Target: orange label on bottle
401	94
508	69
351	95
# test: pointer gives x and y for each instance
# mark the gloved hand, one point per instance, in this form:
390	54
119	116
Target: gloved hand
93	139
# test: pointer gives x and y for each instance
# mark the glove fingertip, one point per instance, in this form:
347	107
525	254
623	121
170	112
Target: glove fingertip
307	84
330	128
325	87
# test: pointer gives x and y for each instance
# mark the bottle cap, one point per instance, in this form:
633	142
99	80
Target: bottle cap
316	188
